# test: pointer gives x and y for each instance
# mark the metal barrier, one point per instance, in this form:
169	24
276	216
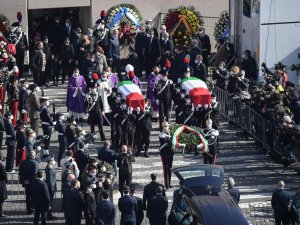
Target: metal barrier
257	126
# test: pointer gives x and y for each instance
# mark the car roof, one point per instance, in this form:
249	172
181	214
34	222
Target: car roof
217	208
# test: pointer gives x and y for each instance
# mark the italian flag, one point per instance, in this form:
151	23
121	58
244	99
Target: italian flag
197	89
132	94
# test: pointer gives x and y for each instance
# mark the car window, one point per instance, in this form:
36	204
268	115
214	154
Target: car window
193	173
182	211
216	173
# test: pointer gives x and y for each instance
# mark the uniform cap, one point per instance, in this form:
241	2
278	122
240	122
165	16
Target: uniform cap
50	158
23	80
101	175
42	99
90	179
7	114
69	162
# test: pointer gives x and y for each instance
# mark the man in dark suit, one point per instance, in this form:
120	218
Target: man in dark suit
194	51
178	65
166	48
40	199
139	211
205	46
250	66
133	59
152	52
3	190
105	211
82	158
127	206
10	141
200	68
150	190
27	173
234	192
113	54
157	208
108	155
73	203
51	182
280	204
141	41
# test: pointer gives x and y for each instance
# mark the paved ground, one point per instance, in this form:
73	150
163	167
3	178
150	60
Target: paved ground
256	175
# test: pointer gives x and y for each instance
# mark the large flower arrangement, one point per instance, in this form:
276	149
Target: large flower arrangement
181	22
126	26
4	29
222	25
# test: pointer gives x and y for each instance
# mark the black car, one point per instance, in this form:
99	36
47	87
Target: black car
201	200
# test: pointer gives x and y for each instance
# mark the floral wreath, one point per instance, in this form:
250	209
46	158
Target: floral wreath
126	18
4	31
181	22
222	26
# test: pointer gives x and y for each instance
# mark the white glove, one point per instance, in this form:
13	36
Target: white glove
179	80
215	133
205	106
54	123
199	106
38	148
157	102
193	107
24	111
129	110
138	110
200	146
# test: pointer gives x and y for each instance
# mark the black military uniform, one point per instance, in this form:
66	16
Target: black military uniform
51	183
114	101
90	202
162	92
10	142
3	189
143	129
95	109
166	154
211	135
22	101
47	124
12	98
127	122
62	140
71	133
179	100
214	110
21	140
188	110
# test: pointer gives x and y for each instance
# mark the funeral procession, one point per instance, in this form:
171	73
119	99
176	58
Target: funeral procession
162	112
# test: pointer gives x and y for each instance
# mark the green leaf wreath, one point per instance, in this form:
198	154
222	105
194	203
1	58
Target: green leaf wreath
222	24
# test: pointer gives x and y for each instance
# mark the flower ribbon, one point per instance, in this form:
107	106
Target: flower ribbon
124	11
183	18
179	130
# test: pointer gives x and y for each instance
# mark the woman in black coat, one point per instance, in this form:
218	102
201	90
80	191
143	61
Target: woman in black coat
3	190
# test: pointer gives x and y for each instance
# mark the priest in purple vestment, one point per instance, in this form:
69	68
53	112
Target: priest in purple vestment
112	77
76	95
152	79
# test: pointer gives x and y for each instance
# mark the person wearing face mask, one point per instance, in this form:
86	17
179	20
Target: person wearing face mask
95	111
113	53
76	95
10	141
113	77
152	52
151	81
194	51
166	153
48	52
166	48
211	135
114	101
140	48
220	75
90	201
104	89
38	63
67	58
47	124
163	94
51	183
249	65
215	110
189	117
205	46
200	68
60	127
22	96
101	60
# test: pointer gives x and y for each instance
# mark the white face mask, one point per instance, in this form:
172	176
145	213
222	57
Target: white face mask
164	78
124	106
0	106
92	173
10	117
209	125
92	60
93	186
67	24
188	101
182	95
62	118
214	100
177	90
47	103
57	21
76	74
94	90
119	98
104	78
196	61
187	74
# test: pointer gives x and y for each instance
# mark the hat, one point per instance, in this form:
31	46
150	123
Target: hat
123	101
15	24
71	119
101	175
131	74
29	131
201	28
23	80
114	89
42	99
44	38
129	68
50	158
90	179
7	114
186	60
20	123
182	91
32	87
103	14
68	163
95	76
213	95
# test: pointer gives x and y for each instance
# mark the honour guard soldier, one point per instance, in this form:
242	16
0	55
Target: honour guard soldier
90	200
47	124
211	135
114	101
214	110
177	101
10	141
143	128
163	92
188	112
2	129
166	153
21	139
51	183
13	94
127	121
71	133
60	127
95	110
22	99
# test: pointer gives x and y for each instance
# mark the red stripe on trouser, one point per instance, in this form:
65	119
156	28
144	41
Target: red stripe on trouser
164	170
214	159
14	111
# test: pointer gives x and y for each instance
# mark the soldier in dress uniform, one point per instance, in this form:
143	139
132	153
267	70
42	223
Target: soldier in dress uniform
163	93
205	46
189	117
34	108
127	121
10	141
214	111
143	128
95	110
166	153
201	113
114	101
21	140
71	133
90	200
211	135
51	183
177	102
22	99
60	127
13	94
47	124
